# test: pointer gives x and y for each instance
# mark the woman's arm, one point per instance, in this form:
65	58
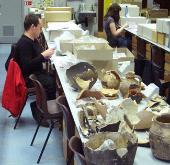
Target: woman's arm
117	32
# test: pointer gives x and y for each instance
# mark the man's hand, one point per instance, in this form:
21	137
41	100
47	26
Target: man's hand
48	53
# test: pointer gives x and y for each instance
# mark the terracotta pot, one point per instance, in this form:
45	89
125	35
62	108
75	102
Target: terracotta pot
159	136
110	79
109	155
82	74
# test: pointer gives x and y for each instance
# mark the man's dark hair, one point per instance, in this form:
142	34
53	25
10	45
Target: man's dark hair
30	19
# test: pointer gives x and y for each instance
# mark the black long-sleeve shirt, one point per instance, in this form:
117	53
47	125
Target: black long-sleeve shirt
29	56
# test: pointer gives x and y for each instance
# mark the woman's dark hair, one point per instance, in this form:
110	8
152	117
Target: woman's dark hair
113	11
30	19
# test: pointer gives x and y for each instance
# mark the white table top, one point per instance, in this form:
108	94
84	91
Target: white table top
134	31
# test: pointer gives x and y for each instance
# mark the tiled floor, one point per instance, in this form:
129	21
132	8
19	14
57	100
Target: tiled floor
15	146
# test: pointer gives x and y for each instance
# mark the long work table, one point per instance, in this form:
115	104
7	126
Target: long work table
134	32
143	155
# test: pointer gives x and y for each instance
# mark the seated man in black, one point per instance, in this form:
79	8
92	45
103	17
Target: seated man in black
30	56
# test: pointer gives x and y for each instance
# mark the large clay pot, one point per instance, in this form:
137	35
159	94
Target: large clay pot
111	156
110	79
82	74
159	136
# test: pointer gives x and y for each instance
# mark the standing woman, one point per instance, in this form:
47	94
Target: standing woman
113	29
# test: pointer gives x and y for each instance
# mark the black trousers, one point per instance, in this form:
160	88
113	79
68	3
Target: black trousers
48	81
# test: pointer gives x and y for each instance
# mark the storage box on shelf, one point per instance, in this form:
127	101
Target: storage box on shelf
133	20
166	76
148	51
163	27
158	13
133	10
154	36
167	40
149	31
59	9
140	29
161	38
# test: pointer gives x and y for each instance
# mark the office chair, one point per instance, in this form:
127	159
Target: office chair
69	126
76	146
48	109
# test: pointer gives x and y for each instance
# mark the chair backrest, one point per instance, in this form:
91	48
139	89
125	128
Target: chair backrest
76	146
11	55
69	122
41	100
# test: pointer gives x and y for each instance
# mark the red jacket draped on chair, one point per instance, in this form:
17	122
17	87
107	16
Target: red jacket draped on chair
15	90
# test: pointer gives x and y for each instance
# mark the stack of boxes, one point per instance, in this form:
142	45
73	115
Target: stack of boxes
158	32
130	13
163	29
148	51
57	14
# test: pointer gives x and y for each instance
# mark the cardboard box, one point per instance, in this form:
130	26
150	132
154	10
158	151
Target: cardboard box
148	52
93	52
57	28
133	20
166	26
166	76
167	40
133	10
167	66
163	25
167	57
59	9
158	13
68	45
57	16
154	36
161	38
159	25
140	29
148	29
